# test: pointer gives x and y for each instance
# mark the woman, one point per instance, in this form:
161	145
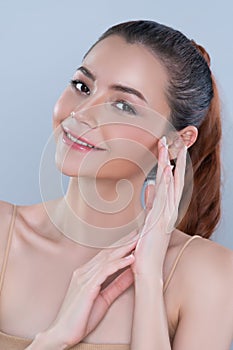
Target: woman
79	275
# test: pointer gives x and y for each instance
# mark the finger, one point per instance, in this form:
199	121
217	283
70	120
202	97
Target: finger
111	268
158	206
117	286
170	189
107	296
108	255
149	194
121	251
163	159
170	211
179	175
95	265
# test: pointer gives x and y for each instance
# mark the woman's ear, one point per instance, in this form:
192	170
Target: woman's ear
187	137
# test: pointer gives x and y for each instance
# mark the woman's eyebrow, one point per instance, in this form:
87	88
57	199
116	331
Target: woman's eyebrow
87	73
128	90
116	87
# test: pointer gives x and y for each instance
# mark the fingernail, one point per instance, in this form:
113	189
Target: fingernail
150	182
164	141
129	256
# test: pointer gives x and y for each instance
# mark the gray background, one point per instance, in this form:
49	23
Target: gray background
42	43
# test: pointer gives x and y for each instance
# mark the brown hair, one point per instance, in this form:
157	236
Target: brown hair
204	210
193	99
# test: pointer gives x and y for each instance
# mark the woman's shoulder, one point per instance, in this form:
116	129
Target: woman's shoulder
206	267
6	212
203	288
28	217
24	213
5	209
202	254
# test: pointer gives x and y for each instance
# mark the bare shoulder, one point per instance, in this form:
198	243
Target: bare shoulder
204	285
6	211
205	272
204	257
27	217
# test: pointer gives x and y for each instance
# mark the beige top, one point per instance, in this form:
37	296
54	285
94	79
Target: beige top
11	342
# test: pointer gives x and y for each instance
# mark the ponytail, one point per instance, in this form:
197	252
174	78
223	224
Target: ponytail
204	210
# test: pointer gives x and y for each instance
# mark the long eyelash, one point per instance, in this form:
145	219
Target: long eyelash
128	104
75	81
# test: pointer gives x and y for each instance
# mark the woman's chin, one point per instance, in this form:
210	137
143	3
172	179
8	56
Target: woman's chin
65	169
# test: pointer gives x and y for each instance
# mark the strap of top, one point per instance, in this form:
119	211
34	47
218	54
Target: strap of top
10	234
177	260
7	247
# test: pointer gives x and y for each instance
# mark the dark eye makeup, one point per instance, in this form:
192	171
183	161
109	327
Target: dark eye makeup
125	107
120	104
80	86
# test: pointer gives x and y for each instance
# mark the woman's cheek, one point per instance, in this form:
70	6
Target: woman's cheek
66	103
135	144
137	135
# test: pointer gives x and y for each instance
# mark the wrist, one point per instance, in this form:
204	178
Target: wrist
142	280
49	340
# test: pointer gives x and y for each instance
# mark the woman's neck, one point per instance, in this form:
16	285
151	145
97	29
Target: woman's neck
97	212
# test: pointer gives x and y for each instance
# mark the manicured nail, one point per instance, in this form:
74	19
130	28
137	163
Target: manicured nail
164	141
150	182
131	256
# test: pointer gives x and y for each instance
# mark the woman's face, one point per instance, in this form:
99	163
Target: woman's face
114	97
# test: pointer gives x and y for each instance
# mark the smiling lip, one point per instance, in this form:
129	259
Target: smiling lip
76	145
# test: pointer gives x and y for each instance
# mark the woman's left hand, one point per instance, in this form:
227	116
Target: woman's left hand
162	202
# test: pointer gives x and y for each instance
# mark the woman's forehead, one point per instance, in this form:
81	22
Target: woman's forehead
113	60
115	52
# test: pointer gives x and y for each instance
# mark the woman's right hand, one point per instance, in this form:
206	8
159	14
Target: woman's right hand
85	304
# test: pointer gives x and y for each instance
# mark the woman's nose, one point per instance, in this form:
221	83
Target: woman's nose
85	118
89	113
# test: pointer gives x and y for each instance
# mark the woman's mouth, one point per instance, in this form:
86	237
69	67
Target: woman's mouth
78	143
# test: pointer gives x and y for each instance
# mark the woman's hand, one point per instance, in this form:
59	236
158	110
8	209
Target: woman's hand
85	304
162	201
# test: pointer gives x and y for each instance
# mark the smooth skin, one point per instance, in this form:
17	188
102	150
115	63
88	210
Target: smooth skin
55	267
84	293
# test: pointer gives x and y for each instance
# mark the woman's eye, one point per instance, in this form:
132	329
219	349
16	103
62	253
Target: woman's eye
80	86
125	107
